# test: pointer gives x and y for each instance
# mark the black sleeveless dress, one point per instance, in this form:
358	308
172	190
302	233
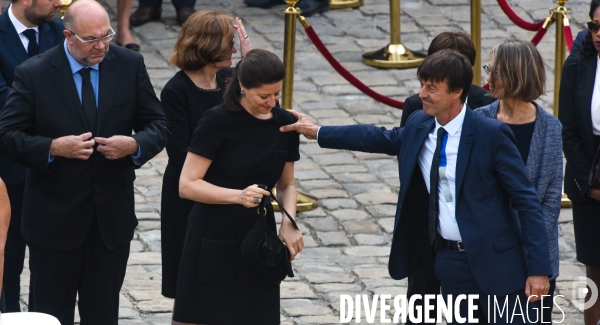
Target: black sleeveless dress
216	285
184	104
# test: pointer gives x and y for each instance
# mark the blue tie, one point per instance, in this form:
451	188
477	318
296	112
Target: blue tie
434	205
32	48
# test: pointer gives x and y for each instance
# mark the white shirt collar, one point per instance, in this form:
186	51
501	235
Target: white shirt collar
456	124
19	27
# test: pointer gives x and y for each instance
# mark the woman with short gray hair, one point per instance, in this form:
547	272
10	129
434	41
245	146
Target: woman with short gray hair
517	77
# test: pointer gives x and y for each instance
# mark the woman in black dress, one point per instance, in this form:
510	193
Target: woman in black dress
203	53
236	146
579	113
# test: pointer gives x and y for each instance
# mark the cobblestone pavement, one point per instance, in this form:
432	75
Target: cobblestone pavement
347	238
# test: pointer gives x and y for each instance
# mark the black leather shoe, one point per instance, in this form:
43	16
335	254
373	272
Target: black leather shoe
265	4
143	15
183	13
311	7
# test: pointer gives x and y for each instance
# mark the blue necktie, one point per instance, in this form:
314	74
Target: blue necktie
434	205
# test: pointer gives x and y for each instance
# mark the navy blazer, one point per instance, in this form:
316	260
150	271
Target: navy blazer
490	179
12	53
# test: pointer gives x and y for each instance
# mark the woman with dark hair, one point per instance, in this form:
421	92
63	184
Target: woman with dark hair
517	77
579	113
236	146
203	53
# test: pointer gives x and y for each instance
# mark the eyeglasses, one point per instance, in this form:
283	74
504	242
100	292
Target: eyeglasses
488	69
233	43
593	26
95	41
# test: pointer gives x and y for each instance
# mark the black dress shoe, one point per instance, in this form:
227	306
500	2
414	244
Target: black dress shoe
265	4
143	15
183	13
311	7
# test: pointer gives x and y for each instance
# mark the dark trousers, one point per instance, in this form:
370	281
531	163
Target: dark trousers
158	3
93	271
423	283
14	251
453	271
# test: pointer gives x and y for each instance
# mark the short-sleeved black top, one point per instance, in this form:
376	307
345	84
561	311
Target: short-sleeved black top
244	150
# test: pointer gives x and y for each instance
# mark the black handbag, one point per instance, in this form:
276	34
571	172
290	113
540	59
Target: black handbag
263	250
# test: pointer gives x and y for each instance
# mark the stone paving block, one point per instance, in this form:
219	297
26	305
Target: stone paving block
291	303
310	174
333	238
376	198
370	272
322	224
307	311
144	258
317	320
128	313
367	251
160	318
318	212
387	224
146	225
361	227
319	183
147	215
384	282
333	158
136	246
329	193
337	287
349	214
320	252
159	305
333	204
370	240
346	168
355	177
382	211
295	290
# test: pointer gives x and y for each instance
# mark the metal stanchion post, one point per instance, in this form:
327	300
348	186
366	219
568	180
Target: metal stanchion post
64	7
342	4
289	49
560	15
476	39
304	202
395	55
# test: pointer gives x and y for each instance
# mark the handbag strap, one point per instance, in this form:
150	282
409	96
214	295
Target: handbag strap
262	202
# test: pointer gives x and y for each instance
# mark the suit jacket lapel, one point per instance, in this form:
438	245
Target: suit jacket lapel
108	89
587	71
46	38
62	75
11	38
464	149
411	157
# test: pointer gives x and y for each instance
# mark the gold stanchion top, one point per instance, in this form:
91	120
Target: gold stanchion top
291	3
562	3
64	7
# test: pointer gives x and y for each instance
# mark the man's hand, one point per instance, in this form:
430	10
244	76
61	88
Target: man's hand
117	146
73	146
303	126
537	285
595	194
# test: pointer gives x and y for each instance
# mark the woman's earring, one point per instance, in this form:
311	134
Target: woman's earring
242	92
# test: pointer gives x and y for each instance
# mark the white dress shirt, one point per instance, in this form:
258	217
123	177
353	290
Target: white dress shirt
448	227
596	101
21	28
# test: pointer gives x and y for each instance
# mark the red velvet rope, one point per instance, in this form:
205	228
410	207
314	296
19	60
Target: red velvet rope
568	37
517	20
347	75
538	36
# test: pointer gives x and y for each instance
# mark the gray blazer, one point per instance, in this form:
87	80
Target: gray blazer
544	169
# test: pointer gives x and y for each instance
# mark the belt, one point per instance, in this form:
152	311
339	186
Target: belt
453	245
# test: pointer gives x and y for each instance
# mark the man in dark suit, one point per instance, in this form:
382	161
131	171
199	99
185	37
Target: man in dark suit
27	28
425	282
477	178
69	120
461	43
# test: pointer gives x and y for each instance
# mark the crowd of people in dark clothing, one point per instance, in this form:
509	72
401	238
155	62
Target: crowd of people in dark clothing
481	171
